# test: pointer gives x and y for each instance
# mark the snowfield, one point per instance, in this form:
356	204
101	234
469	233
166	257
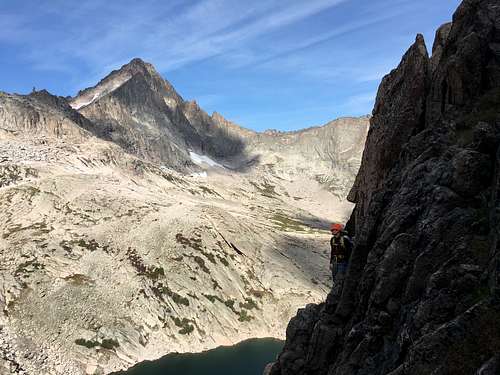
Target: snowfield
203	159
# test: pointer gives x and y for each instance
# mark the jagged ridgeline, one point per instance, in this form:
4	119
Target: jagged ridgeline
134	224
422	289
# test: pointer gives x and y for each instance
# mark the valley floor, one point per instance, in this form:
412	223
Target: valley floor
107	260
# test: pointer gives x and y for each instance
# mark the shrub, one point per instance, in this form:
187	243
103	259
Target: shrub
109	344
87	343
249	304
244	317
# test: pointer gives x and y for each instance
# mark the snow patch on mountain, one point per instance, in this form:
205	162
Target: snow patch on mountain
203	174
81	104
203	159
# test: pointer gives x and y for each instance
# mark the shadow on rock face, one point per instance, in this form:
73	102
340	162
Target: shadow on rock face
242	162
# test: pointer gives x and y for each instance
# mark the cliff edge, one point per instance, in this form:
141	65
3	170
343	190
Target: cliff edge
421	293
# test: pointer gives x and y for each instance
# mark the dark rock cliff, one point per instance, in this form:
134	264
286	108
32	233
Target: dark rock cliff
139	110
421	294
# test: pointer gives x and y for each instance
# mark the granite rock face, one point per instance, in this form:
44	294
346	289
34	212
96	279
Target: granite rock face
142	113
421	294
43	114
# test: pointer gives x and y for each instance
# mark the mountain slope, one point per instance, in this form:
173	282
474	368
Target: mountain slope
99	247
139	111
421	293
119	77
144	114
139	225
329	154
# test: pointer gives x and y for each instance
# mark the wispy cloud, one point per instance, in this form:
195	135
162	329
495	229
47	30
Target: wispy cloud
220	36
170	35
336	31
348	62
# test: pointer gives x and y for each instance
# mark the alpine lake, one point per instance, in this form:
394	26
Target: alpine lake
245	358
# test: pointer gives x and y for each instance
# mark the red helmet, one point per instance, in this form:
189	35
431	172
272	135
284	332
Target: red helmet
336	226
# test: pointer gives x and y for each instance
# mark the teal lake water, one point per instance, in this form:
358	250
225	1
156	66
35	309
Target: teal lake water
246	358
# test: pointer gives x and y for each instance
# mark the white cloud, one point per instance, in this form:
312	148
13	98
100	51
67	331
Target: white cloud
348	62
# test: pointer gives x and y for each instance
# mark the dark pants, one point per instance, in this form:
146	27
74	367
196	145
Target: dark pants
339	270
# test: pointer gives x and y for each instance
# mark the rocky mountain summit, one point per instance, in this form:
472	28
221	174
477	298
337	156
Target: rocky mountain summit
134	224
422	289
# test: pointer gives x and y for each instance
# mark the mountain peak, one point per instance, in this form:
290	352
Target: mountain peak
139	66
420	44
117	78
137	61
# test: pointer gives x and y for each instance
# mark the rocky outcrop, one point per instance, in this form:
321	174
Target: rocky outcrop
218	137
231	127
439	44
421	294
118	77
143	113
42	114
140	111
397	116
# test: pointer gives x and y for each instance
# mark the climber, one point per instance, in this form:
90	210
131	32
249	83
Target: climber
341	247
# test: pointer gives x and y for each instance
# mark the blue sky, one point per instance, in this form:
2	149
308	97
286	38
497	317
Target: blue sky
283	64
